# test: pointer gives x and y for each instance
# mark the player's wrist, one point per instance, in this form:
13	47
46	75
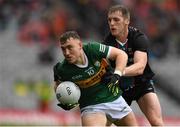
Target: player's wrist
124	73
118	72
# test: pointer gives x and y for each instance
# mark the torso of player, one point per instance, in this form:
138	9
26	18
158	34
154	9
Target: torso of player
93	91
133	44
84	77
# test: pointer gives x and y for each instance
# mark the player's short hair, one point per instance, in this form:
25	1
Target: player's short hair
124	10
69	34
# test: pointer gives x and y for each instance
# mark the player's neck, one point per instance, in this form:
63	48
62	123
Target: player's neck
82	59
123	36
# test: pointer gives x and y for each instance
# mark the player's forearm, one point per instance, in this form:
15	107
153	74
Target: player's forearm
134	70
121	62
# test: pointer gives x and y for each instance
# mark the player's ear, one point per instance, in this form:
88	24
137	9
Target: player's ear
127	21
80	44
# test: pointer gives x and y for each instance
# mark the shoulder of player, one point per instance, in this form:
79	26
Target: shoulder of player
90	44
59	65
87	47
93	47
134	31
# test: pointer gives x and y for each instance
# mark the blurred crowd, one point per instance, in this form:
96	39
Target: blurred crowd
42	21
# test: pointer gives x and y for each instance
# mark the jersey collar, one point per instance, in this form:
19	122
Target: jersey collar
86	62
122	43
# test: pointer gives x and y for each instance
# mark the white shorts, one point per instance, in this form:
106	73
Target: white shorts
114	110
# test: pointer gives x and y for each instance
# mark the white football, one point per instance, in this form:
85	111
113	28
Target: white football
68	93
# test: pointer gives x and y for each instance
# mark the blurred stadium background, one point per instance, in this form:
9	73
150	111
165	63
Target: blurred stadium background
29	31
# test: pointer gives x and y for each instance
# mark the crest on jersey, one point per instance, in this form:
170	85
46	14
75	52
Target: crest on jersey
97	64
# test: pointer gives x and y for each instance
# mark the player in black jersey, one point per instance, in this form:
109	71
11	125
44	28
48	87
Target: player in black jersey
137	81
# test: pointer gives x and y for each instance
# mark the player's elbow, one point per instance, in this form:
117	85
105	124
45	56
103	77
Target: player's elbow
140	70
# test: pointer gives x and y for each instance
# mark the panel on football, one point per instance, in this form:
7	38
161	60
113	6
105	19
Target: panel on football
68	93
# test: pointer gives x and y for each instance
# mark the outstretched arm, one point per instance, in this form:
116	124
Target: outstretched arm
120	58
140	61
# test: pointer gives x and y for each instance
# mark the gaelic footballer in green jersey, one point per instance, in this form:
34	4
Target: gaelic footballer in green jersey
86	66
88	77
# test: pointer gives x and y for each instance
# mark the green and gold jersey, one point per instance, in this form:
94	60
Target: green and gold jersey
88	78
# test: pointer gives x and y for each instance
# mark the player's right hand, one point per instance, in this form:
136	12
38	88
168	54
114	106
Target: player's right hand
67	106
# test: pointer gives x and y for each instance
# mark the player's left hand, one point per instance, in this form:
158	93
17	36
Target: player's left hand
113	85
67	106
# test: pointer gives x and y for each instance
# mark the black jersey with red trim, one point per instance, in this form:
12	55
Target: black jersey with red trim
136	41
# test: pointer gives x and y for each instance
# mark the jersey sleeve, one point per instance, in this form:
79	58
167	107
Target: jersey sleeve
141	42
99	49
